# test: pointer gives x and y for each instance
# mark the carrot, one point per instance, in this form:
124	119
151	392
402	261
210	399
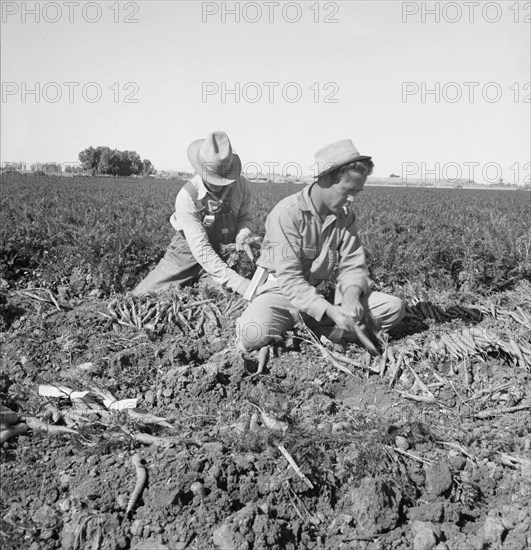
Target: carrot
365	341
384	362
8	417
212	317
149	439
398	369
13	431
200	323
419	398
141	477
39	425
494	412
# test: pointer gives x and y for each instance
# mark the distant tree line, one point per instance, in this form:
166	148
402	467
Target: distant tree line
104	160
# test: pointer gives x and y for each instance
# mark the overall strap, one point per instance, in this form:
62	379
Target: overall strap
190	188
225	193
221	200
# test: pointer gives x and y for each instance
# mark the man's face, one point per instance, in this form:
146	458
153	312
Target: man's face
214	188
343	192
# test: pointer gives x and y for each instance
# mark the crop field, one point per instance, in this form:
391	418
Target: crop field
132	423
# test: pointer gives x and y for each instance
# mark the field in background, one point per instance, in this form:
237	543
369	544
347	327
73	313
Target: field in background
105	234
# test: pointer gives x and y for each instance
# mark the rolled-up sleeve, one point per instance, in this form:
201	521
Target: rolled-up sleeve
352	269
197	238
281	254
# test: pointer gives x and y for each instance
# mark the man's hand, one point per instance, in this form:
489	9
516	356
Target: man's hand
245	240
245	247
352	302
342	317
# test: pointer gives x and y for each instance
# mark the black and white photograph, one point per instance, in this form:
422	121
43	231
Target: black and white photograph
265	275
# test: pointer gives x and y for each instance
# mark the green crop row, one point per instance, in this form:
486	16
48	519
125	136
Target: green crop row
104	233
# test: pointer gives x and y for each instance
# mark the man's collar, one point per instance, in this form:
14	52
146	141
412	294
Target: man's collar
197	181
307	204
305	200
202	189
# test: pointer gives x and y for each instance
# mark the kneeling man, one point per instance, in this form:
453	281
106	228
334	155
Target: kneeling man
310	236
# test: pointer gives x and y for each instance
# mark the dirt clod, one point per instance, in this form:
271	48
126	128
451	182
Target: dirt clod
374	506
438	479
493	530
424	535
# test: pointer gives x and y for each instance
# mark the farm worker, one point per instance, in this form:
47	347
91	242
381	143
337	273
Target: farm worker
309	235
212	208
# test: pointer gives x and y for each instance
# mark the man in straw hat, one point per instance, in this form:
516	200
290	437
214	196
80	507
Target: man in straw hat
212	209
309	236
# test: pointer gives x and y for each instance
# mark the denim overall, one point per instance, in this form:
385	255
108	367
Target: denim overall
218	219
179	267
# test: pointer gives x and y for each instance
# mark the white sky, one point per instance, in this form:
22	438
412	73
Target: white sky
369	53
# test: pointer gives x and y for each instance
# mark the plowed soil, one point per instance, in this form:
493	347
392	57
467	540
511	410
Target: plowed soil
371	467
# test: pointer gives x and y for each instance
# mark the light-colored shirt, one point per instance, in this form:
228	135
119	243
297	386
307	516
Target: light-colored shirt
188	219
300	251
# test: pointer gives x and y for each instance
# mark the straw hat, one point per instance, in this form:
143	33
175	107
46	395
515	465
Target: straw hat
214	160
337	154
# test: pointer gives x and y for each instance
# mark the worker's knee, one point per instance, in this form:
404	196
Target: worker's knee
387	311
396	310
251	335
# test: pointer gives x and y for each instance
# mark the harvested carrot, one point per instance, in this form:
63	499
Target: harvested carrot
328	356
212	317
13	431
149	439
270	422
494	412
141	478
419	398
365	340
39	425
8	417
348	361
384	362
397	370
200	323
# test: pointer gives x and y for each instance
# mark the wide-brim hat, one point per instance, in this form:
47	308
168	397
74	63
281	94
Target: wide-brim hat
334	156
214	160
